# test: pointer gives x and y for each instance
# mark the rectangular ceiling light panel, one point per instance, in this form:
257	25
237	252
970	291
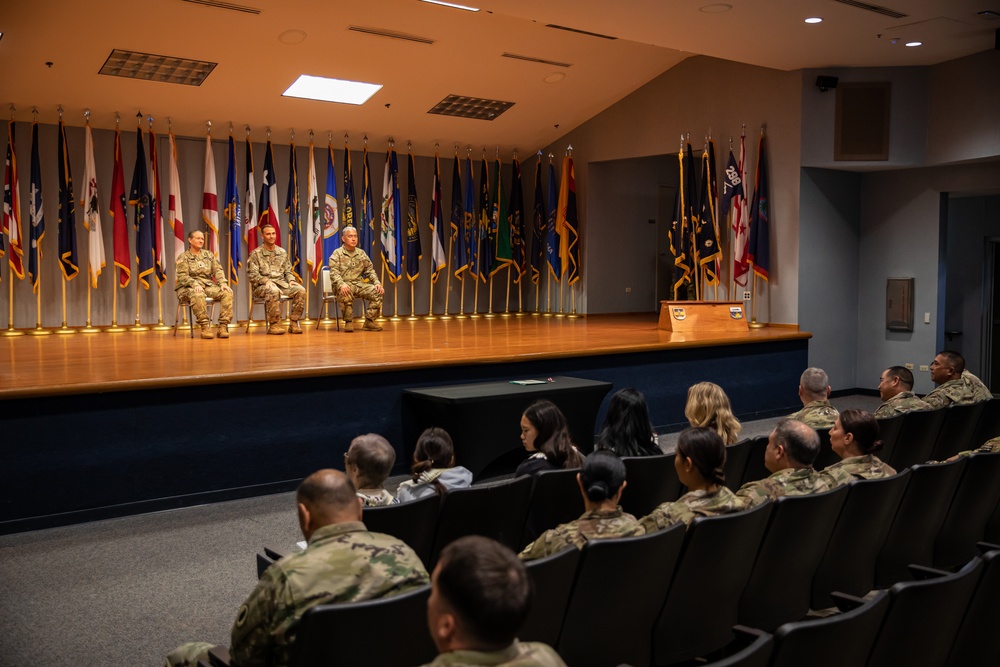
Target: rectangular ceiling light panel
151	67
332	90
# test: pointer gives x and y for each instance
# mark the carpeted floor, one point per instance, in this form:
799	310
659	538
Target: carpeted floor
126	591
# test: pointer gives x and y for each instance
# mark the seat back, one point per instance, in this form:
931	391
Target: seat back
752	648
888	432
796	537
702	605
619	588
917	437
325	281
331	632
834	641
493	510
755	468
848	564
923	618
413	522
552	577
555	499
826	457
960	422
736	463
652	480
918	520
977	641
989	423
974	501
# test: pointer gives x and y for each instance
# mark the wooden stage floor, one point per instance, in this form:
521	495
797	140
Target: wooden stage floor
34	366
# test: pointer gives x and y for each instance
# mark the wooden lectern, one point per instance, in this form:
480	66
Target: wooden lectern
702	316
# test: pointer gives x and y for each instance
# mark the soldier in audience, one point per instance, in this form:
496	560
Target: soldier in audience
480	597
343	562
791	449
271	276
895	388
814	392
700	461
854	438
955	385
601	481
368	462
200	275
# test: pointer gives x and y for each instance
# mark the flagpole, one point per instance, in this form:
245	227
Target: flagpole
38	330
160	326
10	330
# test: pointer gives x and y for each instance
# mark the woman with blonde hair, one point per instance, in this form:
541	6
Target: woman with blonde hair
708	406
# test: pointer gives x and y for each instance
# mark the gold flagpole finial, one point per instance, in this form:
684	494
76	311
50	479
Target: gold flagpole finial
118	118
86	114
268	132
247	128
170	124
60	110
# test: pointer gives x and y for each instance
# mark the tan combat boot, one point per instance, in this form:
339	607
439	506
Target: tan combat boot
349	319
276	329
223	331
371	325
295	328
206	332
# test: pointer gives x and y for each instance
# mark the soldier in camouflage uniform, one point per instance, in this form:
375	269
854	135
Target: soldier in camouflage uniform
601	480
271	276
956	386
991	446
814	392
200	275
353	277
854	438
895	388
791	450
368	462
480	598
343	562
700	461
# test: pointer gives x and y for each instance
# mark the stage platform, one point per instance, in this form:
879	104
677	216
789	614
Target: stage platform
99	425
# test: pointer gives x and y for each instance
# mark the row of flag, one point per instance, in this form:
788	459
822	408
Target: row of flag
695	230
487	234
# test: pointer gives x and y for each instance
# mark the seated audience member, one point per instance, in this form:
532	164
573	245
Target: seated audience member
601	481
434	469
895	388
708	405
368	462
814	392
480	597
854	438
955	385
627	430
545	434
991	446
700	461
791	449
343	562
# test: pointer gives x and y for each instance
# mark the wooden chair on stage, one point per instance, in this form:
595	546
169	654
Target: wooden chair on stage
328	296
186	306
283	302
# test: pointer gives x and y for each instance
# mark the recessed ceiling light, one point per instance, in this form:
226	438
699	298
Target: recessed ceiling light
451	4
717	8
554	77
814	19
331	90
914	43
292	37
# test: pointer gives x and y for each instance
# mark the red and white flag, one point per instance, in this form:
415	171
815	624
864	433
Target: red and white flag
210	200
175	211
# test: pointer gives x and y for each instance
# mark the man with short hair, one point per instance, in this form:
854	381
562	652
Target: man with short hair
368	462
198	275
353	277
956	386
480	596
814	392
271	277
895	388
791	449
343	562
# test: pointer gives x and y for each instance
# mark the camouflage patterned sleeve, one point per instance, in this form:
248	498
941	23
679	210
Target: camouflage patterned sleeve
550	542
754	493
884	412
665	516
369	271
182	276
336	273
251	641
218	273
937	399
253	270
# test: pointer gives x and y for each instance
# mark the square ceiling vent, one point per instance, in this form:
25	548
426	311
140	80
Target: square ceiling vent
470	107
151	67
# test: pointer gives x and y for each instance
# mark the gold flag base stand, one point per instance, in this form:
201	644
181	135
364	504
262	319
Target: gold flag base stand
475	316
115	328
461	316
754	324
395	318
327	321
65	330
490	316
520	313
90	329
560	315
573	316
447	317
39	331
430	317
138	326
11	332
548	314
413	318
160	326
307	321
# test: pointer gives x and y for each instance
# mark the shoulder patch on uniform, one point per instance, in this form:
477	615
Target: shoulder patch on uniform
241	617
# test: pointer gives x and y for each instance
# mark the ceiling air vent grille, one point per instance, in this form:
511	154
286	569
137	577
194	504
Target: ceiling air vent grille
470	107
151	67
531	59
878	9
225	5
580	32
379	32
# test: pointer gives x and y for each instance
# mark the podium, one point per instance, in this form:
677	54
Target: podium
702	316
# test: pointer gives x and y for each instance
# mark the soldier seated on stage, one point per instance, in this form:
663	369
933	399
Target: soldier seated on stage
791	449
271	276
814	392
353	277
368	462
200	275
480	597
343	562
895	388
956	386
601	481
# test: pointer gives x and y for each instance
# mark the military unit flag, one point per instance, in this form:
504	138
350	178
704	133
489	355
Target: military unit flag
392	237
266	209
471	233
552	241
759	245
250	208
68	262
292	210
515	223
413	250
366	233
233	214
12	209
331	215
122	252
439	260
741	219
457	220
92	210
567	223
36	216
538	221
314	227
142	215
156	211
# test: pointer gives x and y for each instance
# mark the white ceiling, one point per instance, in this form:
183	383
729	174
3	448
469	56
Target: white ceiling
255	65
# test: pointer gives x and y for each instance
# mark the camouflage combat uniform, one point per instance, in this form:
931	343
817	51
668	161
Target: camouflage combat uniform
264	265
376	498
991	446
867	466
818	414
528	654
343	562
901	403
790	482
203	269
691	506
592	525
964	390
350	269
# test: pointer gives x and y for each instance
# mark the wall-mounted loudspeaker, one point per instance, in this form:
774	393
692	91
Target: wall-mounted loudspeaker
825	83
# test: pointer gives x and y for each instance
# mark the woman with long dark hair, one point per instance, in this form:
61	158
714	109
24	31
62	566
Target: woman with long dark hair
545	434
434	469
627	430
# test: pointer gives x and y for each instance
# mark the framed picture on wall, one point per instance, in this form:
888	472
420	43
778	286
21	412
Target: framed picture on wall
899	304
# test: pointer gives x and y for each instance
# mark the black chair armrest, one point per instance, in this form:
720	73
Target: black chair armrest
846	602
747	633
219	656
985	547
921	573
275	553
